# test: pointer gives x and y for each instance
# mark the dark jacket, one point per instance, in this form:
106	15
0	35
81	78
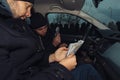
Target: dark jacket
47	41
20	53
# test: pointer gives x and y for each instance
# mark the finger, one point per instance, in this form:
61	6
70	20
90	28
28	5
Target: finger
72	54
63	48
58	34
59	41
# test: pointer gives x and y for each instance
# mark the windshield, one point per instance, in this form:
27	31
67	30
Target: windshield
106	11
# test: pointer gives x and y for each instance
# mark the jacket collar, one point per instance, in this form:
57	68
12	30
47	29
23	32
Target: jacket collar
4	13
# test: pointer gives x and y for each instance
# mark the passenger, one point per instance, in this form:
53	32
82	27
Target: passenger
82	71
19	50
50	40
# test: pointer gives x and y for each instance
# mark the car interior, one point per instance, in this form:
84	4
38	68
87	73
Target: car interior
101	46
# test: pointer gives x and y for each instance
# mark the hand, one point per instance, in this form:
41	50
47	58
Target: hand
59	54
69	62
56	40
63	45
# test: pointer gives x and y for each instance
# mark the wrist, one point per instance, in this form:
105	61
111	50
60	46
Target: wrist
65	65
51	58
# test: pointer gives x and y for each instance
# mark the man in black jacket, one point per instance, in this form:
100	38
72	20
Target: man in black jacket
20	53
51	39
40	27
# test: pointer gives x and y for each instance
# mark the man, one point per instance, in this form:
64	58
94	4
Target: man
20	54
51	40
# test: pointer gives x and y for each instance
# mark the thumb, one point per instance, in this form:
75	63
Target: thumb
72	54
63	48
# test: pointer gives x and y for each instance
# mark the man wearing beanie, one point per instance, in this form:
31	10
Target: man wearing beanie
50	41
19	50
39	25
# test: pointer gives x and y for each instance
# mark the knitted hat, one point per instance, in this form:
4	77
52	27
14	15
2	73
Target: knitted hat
37	21
31	1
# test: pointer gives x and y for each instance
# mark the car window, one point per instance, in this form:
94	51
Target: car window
71	24
68	24
106	11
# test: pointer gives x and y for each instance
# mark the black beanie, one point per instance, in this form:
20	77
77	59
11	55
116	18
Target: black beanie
31	1
37	21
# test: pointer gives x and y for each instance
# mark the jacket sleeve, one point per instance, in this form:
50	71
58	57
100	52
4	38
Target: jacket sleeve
54	72
5	65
